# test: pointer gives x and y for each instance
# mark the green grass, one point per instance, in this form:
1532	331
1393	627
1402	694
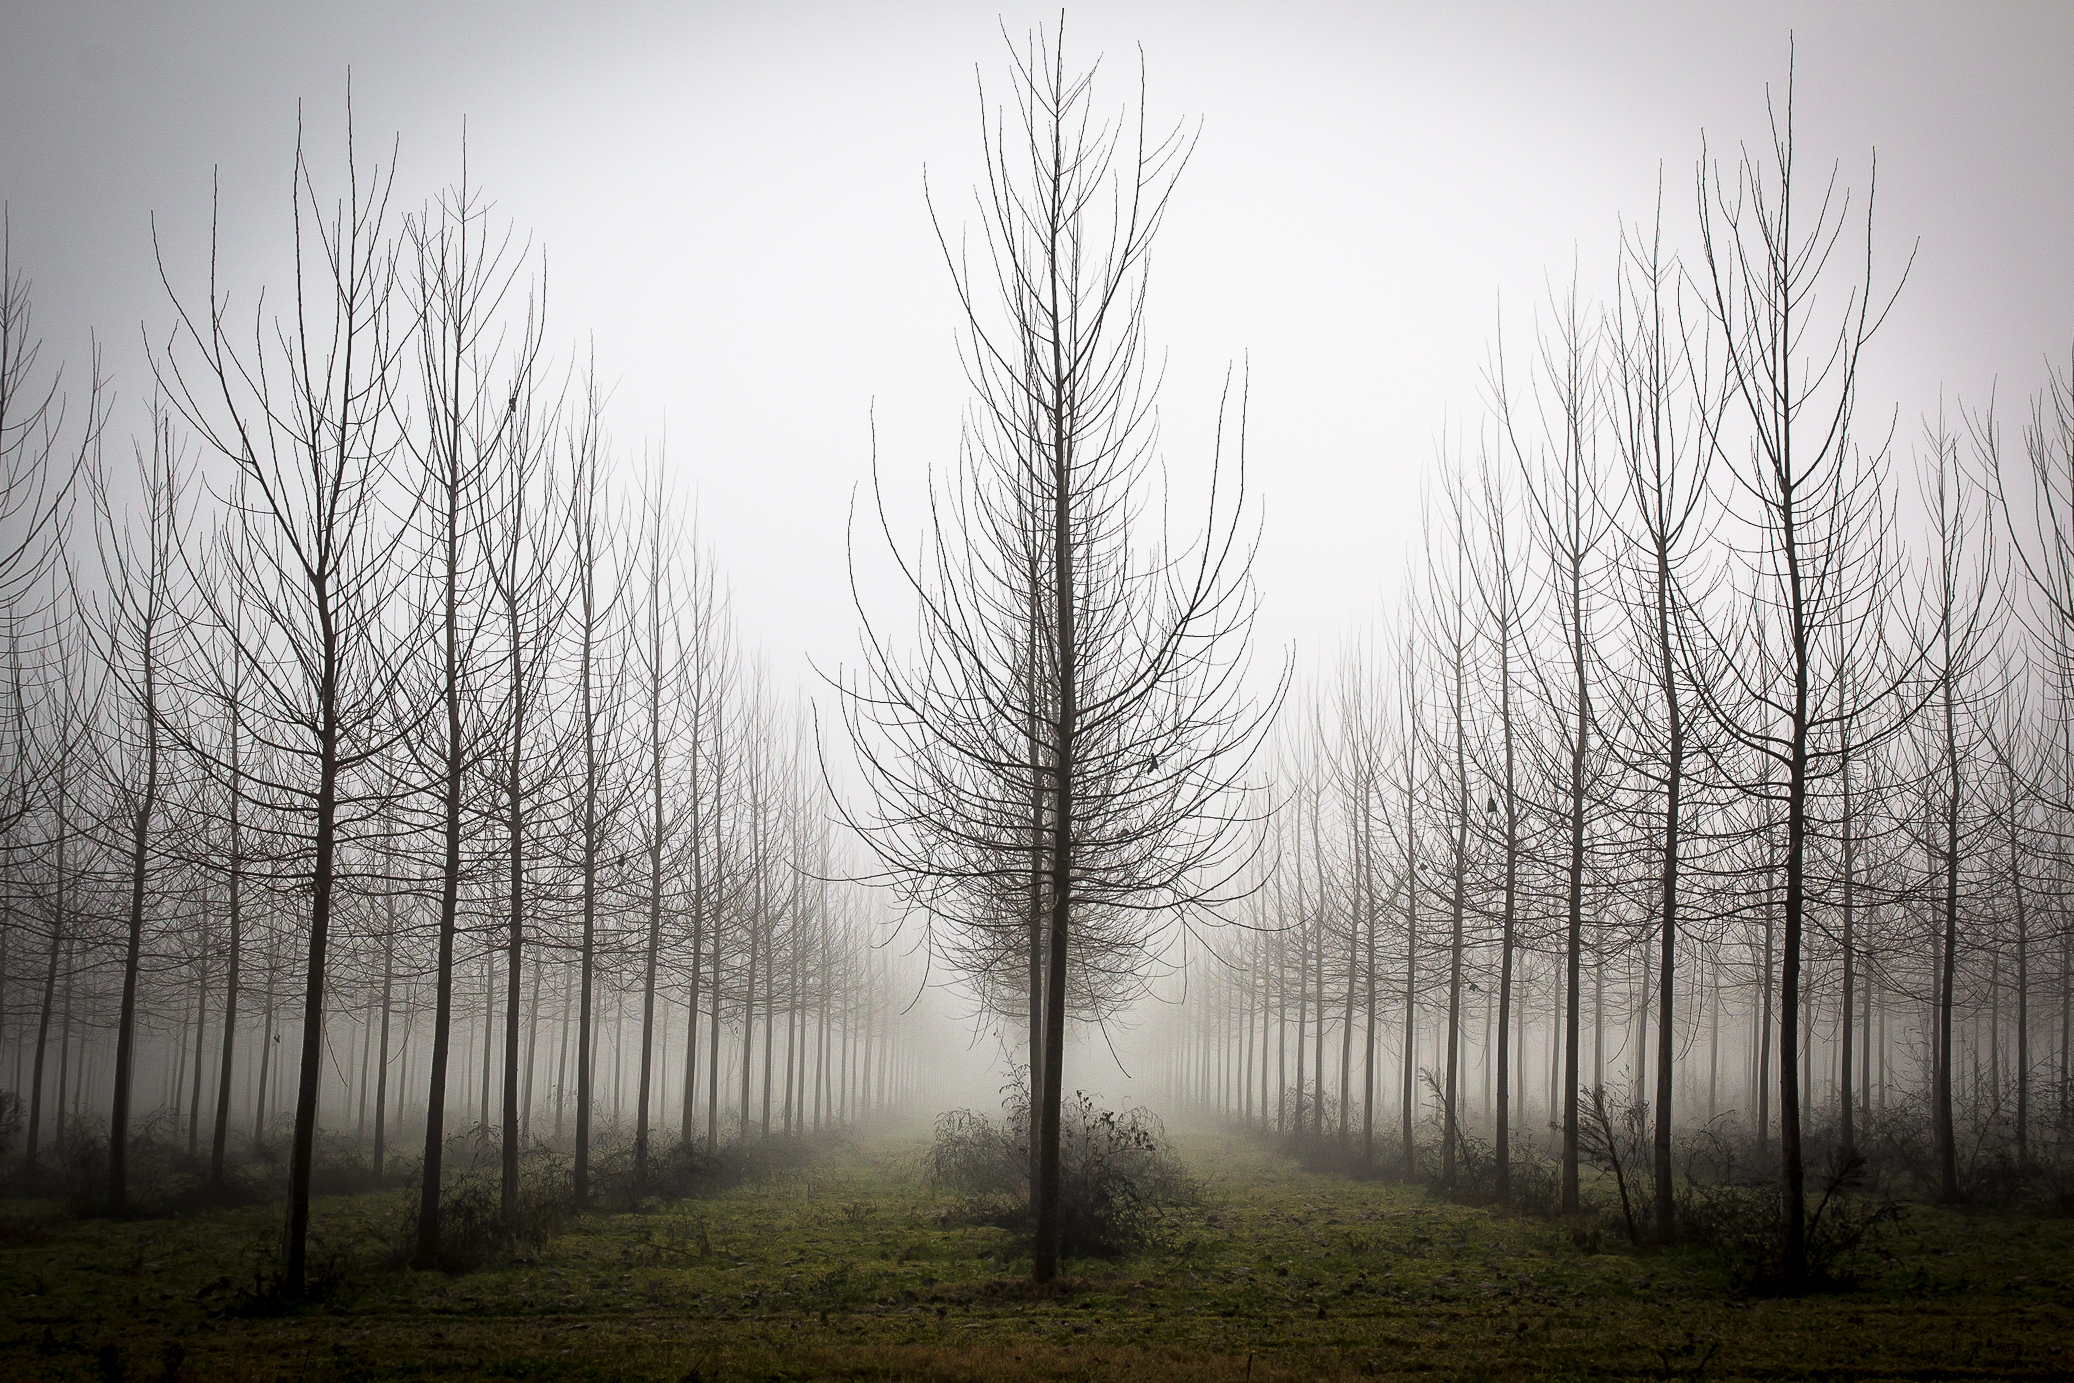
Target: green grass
856	1269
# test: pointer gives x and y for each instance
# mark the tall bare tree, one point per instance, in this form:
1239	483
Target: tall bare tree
462	268
1806	491
304	412
1143	723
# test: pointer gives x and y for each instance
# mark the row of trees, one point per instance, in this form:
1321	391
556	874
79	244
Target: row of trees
1674	733
379	706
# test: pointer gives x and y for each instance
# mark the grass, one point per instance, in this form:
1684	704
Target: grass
855	1269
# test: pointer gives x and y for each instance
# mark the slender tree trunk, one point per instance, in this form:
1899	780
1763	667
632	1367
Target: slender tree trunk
1368	917
514	918
2023	979
1303	980
267	1042
587	957
1574	946
57	1132
1845	1034
698	910
381	1075
1033	748
1502	1153
526	1104
489	1037
1458	903
201	1032
61	877
1764	1026
653	948
427	1250
1674	793
1408	1166
1947	980
1346	1027
1065	731
749	983
562	1059
719	903
126	1023
311	1074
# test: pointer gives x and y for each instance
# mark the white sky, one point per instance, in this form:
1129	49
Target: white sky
731	199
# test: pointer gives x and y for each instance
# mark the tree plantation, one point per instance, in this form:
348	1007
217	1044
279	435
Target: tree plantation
435	920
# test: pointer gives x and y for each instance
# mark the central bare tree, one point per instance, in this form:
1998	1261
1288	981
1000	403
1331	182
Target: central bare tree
1079	687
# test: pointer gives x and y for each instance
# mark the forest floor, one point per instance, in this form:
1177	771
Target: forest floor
855	1269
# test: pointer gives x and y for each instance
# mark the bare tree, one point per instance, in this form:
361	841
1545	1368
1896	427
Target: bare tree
1142	720
594	611
658	662
1959	582
304	412
1664	416
1560	471
1809	490
463	270
138	634
522	539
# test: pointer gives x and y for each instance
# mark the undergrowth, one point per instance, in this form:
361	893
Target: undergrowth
1119	1180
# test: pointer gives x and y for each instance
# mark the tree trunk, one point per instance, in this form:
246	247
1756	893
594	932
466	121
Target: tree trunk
1508	918
1574	893
63	825
126	1023
719	903
1848	1124
1947	979
312	1066
514	920
1674	790
1064	764
1366	844
1458	903
427	1249
2023	980
381	1072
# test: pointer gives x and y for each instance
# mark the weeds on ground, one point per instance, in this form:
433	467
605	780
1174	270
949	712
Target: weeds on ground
860	1265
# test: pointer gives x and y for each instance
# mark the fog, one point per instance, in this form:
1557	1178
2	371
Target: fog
1481	601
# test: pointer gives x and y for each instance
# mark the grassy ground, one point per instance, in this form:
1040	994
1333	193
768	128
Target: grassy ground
856	1270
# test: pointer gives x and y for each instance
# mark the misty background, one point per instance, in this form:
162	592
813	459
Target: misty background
730	203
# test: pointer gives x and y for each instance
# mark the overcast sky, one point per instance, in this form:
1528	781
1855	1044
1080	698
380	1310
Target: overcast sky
731	201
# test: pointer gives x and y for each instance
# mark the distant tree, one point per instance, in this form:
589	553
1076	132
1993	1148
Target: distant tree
522	538
1959	582
1507	617
1665	412
462	269
594	628
657	660
138	633
1561	474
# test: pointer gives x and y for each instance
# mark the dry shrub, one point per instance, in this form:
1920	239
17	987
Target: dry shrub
1118	1177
